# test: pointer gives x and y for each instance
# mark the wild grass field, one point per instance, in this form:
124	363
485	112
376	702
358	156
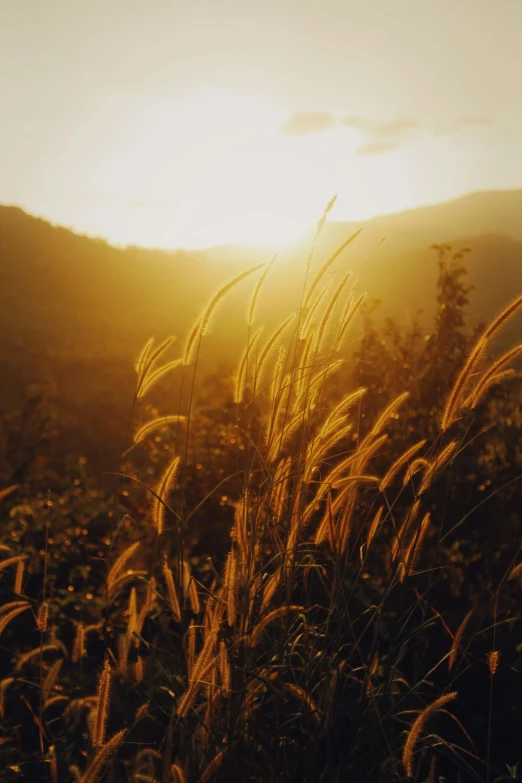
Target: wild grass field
308	570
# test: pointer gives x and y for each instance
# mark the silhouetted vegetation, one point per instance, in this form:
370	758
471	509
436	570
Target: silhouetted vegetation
305	568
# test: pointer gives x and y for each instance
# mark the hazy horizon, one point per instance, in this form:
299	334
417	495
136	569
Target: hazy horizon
176	124
306	233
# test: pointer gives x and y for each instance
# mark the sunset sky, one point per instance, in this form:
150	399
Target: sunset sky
189	123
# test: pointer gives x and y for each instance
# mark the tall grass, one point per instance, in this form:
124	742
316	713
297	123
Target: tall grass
278	663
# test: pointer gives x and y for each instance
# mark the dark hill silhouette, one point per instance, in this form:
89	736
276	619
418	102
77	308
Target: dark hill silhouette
75	311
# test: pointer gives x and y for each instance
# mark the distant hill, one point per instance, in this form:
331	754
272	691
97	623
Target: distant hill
75	311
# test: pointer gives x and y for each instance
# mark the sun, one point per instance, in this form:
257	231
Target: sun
211	167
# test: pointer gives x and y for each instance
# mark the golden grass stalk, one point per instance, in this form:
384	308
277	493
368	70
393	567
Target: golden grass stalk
300	693
280	439
230	585
417	727
138	669
415	548
453	403
334	420
279	492
457	641
328	312
493	660
102	706
118	564
241	377
224	669
42	618
487	379
241	527
123	652
304	366
189	588
6	491
265	352
122	580
162	421
190	642
147	364
257	289
436	464
399	463
269	589
374	526
202	324
171	591
404	529
141	361
413	468
177	774
325	267
35	653
269	618
158	502
320	226
152	379
19	577
12	561
307	323
4	685
201	665
346	321
383	419
104	756
212	767
50	679
7	618
12	605
515	572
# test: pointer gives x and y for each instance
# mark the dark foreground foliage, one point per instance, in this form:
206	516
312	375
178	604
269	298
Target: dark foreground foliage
275	588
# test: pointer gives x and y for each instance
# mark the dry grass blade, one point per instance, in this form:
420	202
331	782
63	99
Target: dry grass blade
102	706
307	323
104	756
4	685
116	568
158	502
12	561
455	397
241	378
269	618
212	767
171	592
417	727
177	774
489	376
399	463
154	377
455	647
6	491
202	324
151	426
263	356
257	289
328	312
320	226
325	267
7	618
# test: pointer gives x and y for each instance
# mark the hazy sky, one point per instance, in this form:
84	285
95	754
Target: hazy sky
188	123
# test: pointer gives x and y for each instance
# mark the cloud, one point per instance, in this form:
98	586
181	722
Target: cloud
304	122
376	148
382	130
461	124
